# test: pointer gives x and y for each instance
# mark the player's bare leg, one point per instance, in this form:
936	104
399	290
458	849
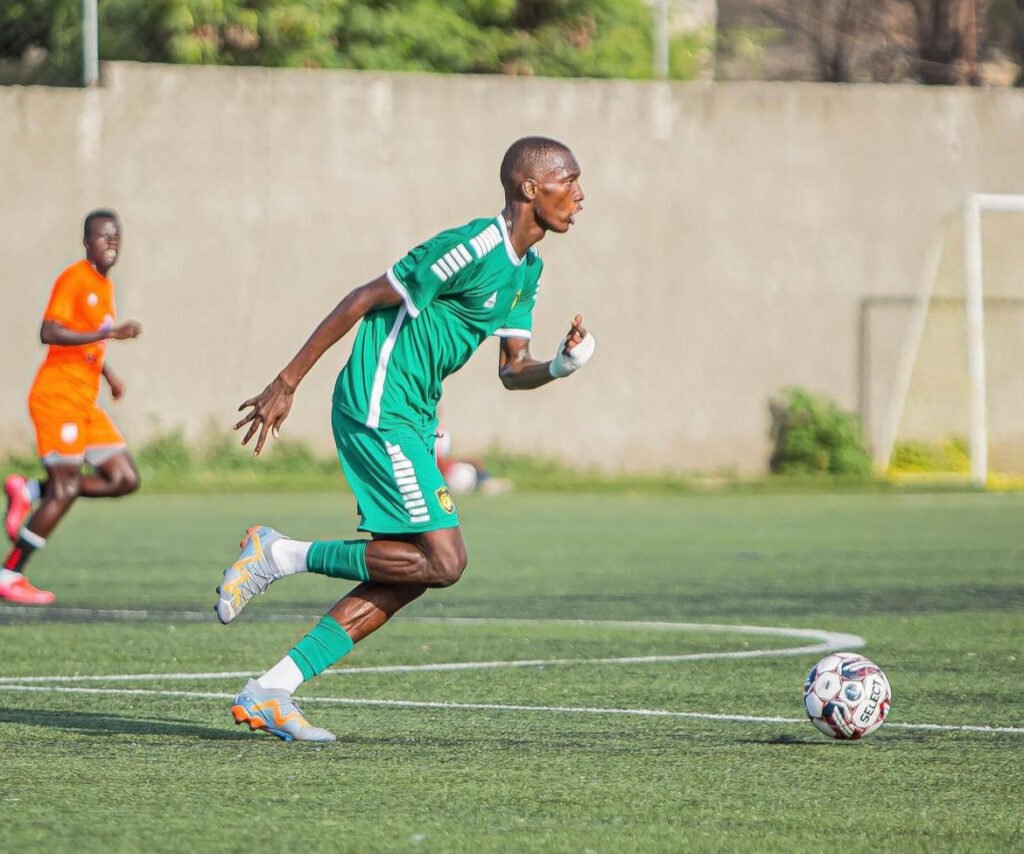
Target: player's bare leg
432	559
60	493
64	485
370	605
113	478
66	482
266	703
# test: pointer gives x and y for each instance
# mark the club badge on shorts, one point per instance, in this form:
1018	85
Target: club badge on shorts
444	498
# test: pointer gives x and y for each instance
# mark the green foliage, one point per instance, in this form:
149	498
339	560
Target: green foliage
217	462
166	453
24	25
532	473
589	38
813	435
24	463
749	43
917	457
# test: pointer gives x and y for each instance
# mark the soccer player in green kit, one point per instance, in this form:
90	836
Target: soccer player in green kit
421	321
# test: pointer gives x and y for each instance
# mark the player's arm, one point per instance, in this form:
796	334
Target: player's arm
271	406
54	332
117	386
518	370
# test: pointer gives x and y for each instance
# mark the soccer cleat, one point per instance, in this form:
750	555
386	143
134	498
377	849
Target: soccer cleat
18	505
253	572
275	712
21	592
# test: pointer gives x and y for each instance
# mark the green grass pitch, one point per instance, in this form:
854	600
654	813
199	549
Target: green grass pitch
115	733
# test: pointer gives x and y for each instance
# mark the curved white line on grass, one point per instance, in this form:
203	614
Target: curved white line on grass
502	707
826	642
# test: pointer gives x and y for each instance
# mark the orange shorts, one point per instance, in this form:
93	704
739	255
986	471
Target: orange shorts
73	435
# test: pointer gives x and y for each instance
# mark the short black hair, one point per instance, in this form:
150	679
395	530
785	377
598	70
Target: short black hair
522	157
99	213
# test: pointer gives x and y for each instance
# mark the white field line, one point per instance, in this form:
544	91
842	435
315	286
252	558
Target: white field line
502	707
827	642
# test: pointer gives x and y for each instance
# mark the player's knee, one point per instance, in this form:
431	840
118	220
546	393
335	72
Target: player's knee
122	478
126	482
448	568
66	489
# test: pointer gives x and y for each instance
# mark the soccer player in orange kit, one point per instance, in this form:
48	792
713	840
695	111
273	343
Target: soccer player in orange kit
71	429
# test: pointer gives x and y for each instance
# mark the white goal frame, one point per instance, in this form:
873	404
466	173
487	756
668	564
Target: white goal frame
974	312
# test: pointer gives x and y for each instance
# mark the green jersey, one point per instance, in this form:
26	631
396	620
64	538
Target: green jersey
457	288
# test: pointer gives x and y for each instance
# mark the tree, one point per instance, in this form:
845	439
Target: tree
595	38
1006	29
832	30
940	39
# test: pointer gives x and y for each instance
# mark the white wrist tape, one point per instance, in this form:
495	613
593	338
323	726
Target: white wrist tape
563	365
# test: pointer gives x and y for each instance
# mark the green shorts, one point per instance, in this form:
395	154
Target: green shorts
394	477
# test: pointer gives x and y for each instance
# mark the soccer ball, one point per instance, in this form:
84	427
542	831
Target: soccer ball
846	696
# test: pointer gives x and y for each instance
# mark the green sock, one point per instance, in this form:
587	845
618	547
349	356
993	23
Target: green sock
338	559
324	645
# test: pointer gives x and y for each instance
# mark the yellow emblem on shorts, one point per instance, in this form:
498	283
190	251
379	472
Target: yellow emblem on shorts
515	301
444	498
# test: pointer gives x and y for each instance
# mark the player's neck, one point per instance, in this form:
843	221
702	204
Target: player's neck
523	230
99	268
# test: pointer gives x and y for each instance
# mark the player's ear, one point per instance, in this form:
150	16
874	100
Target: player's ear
529	189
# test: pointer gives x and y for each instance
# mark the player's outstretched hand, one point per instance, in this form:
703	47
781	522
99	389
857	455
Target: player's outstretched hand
575	350
577	332
128	329
266	412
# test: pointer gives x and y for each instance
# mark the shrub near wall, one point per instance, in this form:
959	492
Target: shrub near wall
812	435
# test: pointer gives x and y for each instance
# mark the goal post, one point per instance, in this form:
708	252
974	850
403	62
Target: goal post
956	380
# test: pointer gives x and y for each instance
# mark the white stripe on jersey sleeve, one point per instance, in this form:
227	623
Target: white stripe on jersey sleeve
393	280
514	333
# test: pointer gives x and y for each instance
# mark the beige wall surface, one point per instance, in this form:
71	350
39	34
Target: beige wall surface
730	235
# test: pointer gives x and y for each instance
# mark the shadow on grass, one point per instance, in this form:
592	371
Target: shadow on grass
888	736
788	740
93	723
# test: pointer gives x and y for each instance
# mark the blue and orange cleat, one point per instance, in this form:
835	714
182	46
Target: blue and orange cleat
253	572
275	712
18	505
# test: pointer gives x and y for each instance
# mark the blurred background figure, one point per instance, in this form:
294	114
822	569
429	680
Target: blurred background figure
72	430
466	474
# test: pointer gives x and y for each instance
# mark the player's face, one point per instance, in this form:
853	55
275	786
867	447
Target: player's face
103	243
559	196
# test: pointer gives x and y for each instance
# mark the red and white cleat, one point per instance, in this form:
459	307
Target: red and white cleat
21	592
18	505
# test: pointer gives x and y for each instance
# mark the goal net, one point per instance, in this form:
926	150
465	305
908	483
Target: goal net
957	403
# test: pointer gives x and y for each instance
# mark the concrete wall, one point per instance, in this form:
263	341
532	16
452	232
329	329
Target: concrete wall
729	237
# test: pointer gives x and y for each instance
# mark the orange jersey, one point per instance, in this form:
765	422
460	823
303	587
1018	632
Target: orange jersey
82	300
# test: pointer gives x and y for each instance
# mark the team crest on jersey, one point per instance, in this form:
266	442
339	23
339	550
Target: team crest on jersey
444	498
492	300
